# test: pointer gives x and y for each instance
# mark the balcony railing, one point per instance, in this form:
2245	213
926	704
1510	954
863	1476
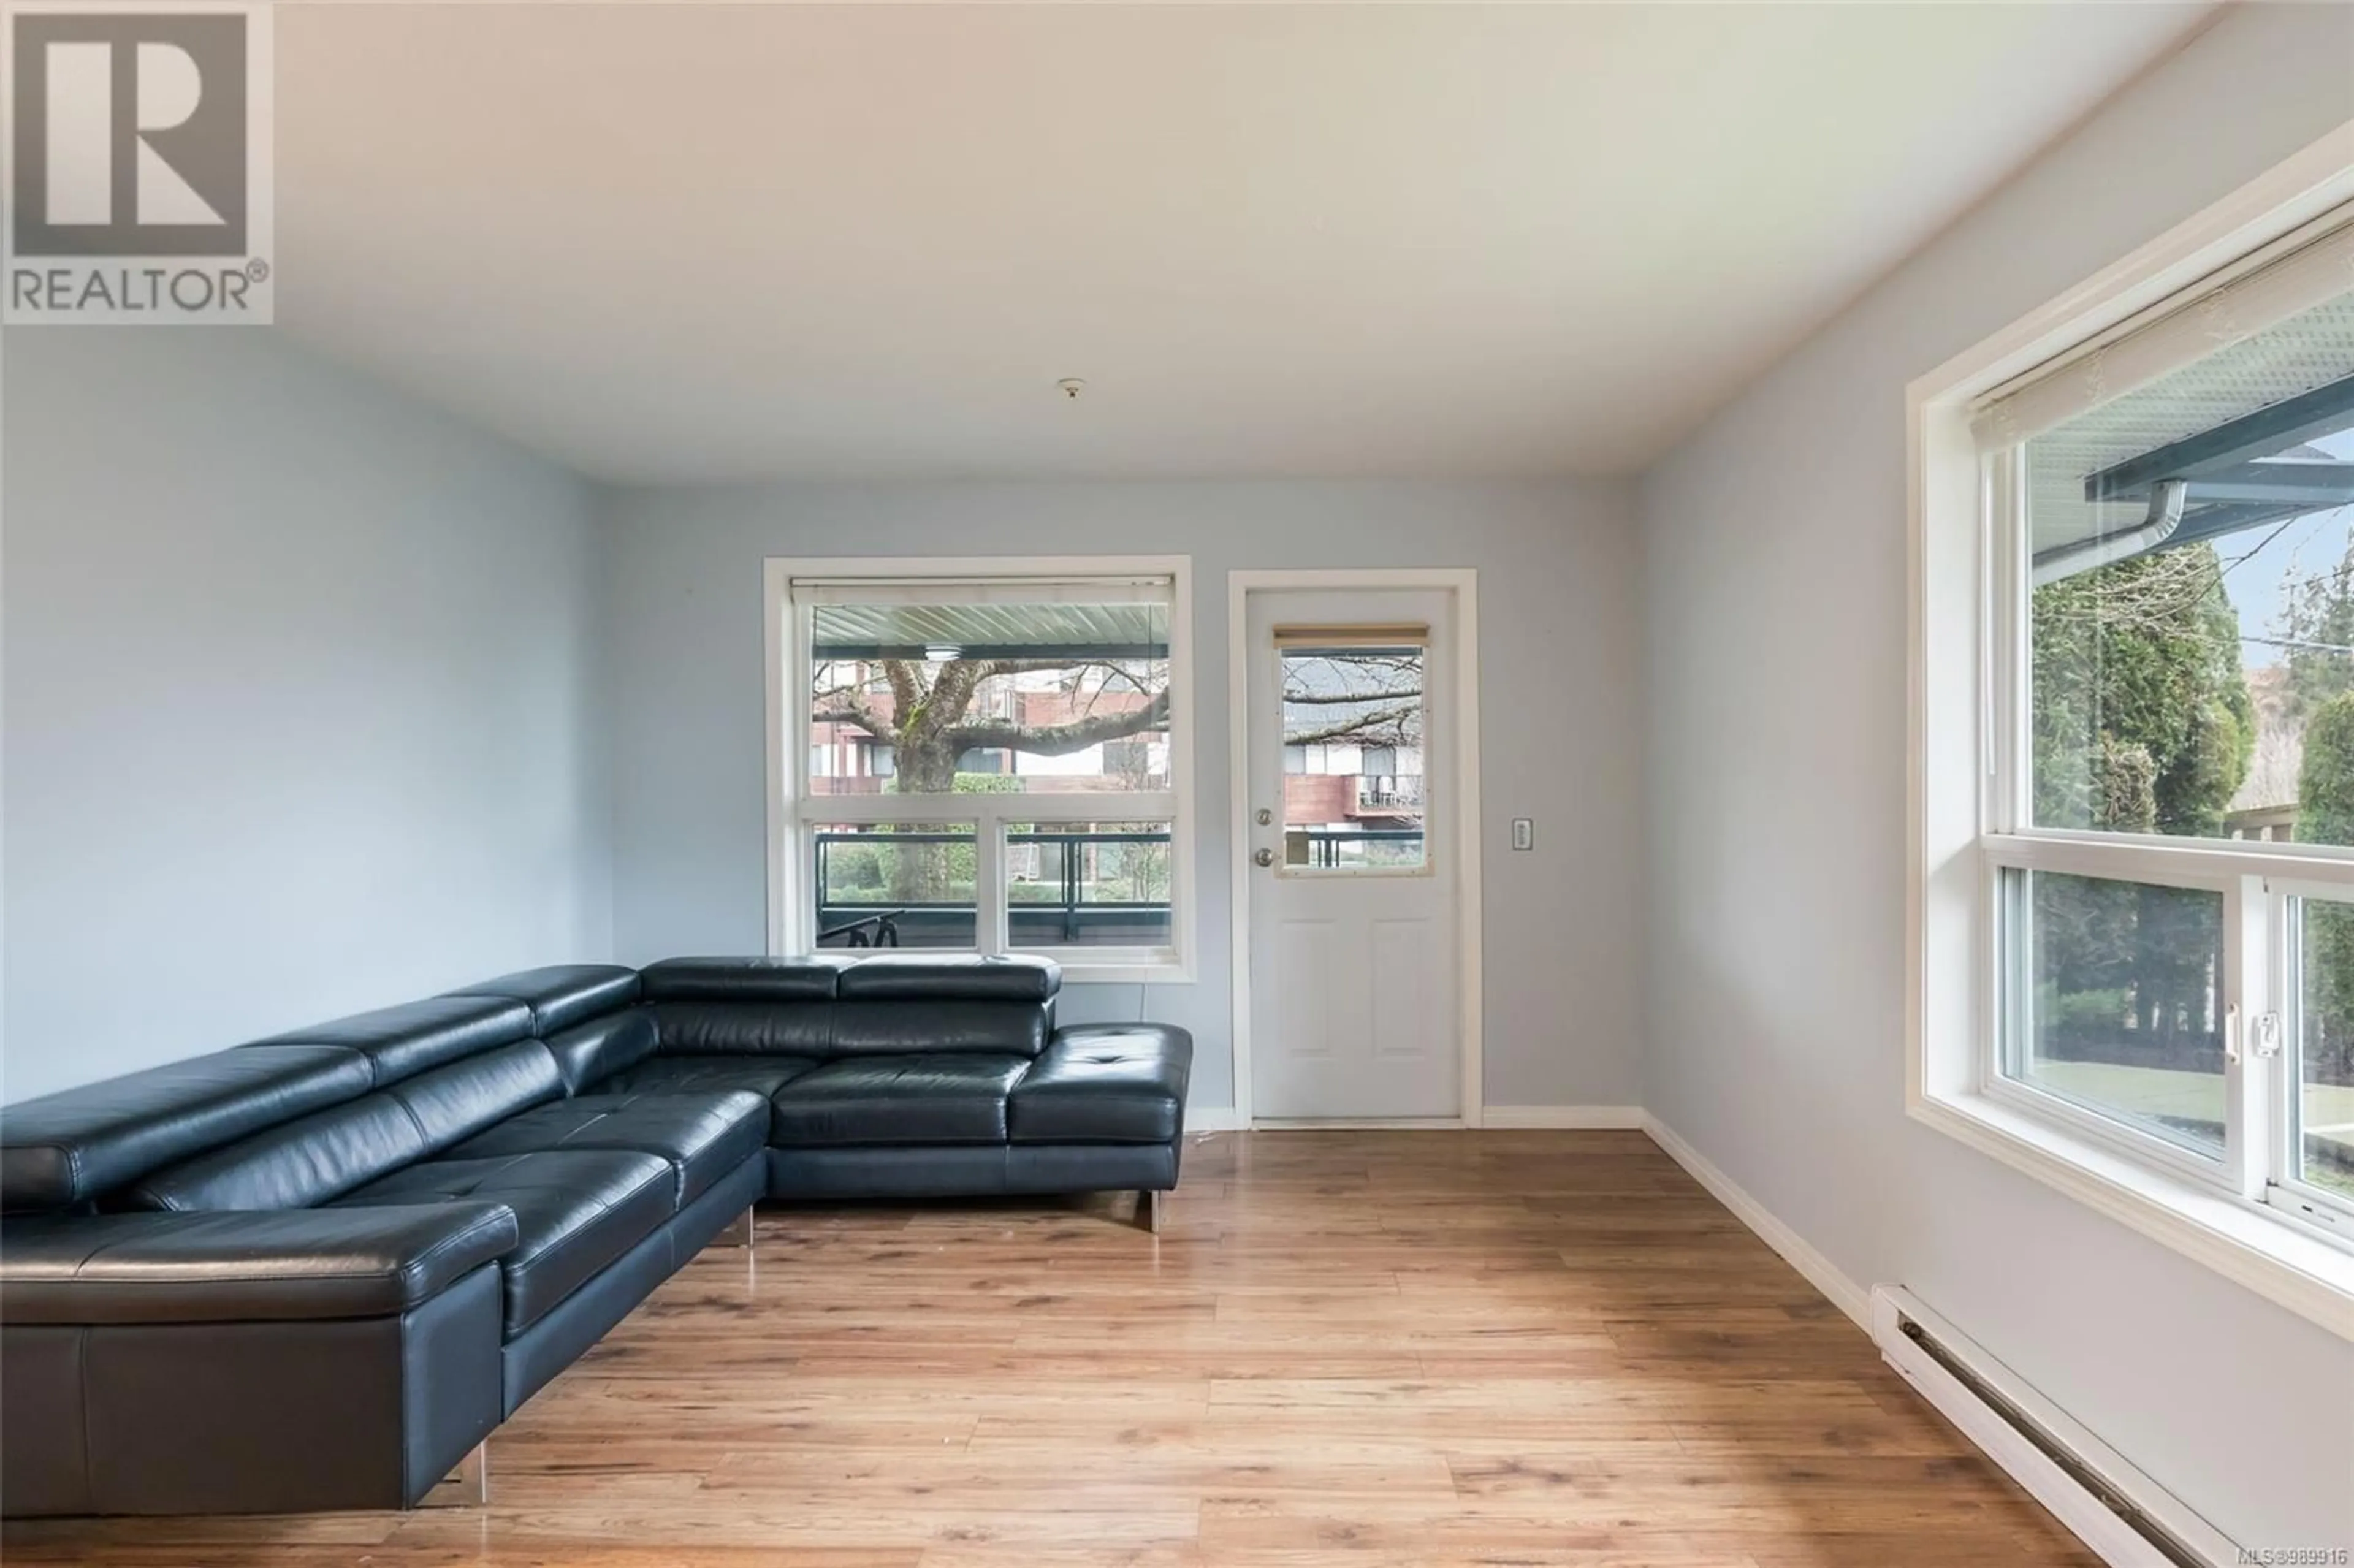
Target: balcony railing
1067	908
1352	849
1064	907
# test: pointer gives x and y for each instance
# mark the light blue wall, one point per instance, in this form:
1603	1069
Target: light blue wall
299	714
1776	594
1558	647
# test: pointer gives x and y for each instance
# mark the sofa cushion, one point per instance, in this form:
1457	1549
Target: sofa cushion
950	977
233	1268
602	1047
562	995
919	1098
406	1040
762	1076
68	1148
576	1211
1105	1082
703	1135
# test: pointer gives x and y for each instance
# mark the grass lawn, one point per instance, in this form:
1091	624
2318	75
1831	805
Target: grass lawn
2199	1096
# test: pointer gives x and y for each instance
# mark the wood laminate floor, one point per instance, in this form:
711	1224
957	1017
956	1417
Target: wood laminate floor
1345	1348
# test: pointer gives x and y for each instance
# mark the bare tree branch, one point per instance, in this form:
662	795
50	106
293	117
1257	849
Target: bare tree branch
1362	725
1060	739
860	717
848	704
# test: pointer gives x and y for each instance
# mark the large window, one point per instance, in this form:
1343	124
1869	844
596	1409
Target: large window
2144	620
984	760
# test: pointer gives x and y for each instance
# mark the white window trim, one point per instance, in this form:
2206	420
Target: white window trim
1958	689
787	645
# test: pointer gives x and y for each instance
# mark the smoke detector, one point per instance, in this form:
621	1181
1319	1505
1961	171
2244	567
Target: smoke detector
1070	387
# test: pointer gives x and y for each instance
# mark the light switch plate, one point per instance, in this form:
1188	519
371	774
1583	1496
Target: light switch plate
1524	833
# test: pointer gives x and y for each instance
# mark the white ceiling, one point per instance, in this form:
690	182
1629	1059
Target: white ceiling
686	242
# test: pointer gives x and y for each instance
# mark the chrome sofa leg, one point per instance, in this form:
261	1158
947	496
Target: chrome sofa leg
739	1230
1148	1211
467	1486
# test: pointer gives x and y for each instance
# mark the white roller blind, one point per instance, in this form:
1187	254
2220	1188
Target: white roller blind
2305	269
1114	590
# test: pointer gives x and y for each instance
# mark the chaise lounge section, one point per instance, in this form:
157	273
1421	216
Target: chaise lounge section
317	1271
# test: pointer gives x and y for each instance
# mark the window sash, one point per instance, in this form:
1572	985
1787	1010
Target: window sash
2285	1182
2009	985
802	600
991	817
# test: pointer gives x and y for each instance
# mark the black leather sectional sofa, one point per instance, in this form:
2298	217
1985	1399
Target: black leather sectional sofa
315	1271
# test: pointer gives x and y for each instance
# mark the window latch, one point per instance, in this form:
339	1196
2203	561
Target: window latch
2263	1041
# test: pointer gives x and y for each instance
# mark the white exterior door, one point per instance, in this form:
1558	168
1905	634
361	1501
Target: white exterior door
1353	862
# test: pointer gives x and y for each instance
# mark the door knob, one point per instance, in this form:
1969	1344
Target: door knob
1264	858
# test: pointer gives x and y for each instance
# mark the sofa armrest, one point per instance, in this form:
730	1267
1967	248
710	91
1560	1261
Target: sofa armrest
243	1266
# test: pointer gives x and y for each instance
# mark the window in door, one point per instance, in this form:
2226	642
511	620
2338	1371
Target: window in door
1354	727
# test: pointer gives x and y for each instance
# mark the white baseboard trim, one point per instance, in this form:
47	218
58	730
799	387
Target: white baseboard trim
1568	1117
1841	1292
1357	1124
1225	1119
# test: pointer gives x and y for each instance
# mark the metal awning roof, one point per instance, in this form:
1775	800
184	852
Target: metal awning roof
2234	428
992	631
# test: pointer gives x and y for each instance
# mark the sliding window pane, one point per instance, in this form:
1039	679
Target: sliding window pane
2325	1011
892	884
1088	885
2118	1001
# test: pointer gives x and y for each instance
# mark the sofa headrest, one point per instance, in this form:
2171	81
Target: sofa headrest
562	995
451	1104
319	1158
293	1165
885	977
950	977
601	1047
404	1041
67	1148
740	979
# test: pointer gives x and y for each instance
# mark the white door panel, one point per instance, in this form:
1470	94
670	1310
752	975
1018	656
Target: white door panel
1405	1029
1354	916
1304	1011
